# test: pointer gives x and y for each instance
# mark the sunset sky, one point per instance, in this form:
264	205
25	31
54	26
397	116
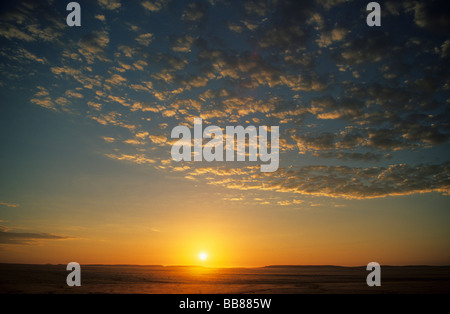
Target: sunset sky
86	114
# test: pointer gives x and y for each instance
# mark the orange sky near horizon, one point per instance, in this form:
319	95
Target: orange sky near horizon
87	113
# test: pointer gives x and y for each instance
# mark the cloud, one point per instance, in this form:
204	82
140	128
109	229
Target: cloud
26	238
108	139
445	49
155	5
92	46
341	92
338	181
136	158
46	102
116	79
158	139
73	94
368	49
183	43
11	32
31	21
433	15
142	135
327	108
127	51
194	12
41	98
139	139
112	118
259	8
335	35
305	143
9	204
235	28
110	4
100	17
145	39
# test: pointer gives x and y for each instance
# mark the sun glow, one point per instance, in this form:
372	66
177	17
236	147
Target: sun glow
203	256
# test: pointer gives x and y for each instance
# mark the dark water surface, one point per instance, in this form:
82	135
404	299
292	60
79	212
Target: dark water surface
17	278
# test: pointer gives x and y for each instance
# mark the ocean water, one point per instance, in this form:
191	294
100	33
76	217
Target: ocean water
127	279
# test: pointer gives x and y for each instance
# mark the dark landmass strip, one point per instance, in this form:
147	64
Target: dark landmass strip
274	279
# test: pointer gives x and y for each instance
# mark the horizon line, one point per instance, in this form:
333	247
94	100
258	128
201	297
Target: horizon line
204	266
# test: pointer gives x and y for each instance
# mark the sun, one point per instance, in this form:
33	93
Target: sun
203	256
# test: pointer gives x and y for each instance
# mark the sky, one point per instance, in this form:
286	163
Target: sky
86	114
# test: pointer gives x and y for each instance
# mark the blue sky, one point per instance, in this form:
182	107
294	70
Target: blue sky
87	112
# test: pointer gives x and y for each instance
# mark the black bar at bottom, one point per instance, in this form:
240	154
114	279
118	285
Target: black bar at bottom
225	303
